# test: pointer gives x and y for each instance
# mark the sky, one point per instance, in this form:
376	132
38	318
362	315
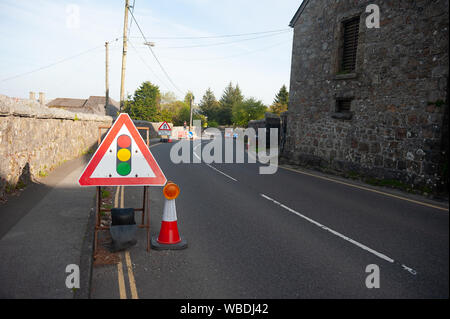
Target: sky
57	47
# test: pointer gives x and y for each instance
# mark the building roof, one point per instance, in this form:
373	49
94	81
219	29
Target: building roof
67	102
298	13
92	101
96	100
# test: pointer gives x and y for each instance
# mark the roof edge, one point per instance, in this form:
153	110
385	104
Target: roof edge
298	13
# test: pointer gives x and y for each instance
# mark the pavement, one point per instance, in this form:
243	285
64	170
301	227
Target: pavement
42	231
293	234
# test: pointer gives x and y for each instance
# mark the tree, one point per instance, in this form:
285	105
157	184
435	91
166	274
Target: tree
188	96
182	115
281	101
145	103
282	96
249	109
231	97
209	106
278	108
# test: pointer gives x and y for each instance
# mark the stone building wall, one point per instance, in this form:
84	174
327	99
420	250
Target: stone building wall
35	139
399	91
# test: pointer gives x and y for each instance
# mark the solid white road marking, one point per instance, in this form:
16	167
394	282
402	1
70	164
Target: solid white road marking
195	154
221	172
354	242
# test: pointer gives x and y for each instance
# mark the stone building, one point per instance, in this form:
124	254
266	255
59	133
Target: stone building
371	101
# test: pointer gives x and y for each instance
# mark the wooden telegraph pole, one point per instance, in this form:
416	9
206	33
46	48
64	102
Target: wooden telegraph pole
124	56
107	74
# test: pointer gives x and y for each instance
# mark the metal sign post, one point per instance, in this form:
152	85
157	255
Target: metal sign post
145	220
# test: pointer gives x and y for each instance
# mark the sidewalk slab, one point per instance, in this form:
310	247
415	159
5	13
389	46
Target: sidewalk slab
47	238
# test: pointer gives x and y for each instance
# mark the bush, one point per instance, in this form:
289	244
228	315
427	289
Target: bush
213	124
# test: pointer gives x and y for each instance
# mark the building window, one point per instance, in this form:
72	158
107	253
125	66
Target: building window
343	109
349	45
343	105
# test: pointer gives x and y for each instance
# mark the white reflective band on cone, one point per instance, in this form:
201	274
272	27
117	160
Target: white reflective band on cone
170	211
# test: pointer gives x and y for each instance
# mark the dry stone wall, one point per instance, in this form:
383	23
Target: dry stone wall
34	139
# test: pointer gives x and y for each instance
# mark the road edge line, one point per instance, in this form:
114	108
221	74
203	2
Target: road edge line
366	189
132	282
121	280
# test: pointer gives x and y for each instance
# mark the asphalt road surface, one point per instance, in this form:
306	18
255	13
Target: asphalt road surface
293	234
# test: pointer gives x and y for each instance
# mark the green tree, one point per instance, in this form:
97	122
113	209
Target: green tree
188	96
209	106
282	96
181	115
249	109
231	97
145	103
281	101
278	108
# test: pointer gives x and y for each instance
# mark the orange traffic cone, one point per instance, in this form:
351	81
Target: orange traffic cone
169	237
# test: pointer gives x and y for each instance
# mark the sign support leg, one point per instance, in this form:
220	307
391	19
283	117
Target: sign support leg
98	203
147	212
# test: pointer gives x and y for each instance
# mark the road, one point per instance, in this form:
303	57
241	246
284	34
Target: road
293	234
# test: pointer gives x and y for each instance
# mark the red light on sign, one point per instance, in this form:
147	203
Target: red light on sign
124	141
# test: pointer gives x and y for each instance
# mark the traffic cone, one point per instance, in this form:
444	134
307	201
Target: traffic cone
169	237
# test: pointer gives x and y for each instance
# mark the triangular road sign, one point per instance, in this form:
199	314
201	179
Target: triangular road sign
122	158
164	127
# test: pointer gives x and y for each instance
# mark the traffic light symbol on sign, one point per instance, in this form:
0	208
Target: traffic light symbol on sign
123	160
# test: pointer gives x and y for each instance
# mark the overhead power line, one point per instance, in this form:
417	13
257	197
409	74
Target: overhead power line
154	55
229	56
224	43
218	36
53	64
148	66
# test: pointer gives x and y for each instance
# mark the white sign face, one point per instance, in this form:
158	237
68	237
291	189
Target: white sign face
106	168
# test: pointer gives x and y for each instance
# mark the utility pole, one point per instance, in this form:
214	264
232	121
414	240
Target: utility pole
124	56
107	74
190	111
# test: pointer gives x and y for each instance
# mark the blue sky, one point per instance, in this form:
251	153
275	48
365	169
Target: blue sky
37	33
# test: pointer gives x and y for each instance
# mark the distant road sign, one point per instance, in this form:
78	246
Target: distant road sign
164	127
190	134
122	158
228	132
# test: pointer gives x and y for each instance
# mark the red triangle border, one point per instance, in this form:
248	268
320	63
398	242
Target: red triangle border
158	180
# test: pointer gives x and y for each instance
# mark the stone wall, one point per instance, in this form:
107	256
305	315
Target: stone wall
399	91
35	139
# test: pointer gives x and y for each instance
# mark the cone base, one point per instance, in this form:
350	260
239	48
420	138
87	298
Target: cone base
178	246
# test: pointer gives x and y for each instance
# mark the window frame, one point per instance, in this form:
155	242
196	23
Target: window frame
354	20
